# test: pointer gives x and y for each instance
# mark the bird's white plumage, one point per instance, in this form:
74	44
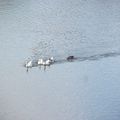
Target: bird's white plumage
47	62
29	64
40	62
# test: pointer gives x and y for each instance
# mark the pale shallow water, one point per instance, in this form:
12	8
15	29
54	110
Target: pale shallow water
86	89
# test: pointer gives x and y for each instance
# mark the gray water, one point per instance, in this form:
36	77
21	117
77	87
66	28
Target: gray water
87	89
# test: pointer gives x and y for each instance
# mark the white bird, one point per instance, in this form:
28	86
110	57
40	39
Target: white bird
28	64
46	62
51	60
40	62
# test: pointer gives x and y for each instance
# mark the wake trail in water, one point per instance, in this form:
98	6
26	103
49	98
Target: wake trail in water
80	59
91	58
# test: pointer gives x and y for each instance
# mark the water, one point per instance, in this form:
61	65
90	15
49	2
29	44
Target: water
86	89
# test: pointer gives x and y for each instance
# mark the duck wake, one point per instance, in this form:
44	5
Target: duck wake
35	62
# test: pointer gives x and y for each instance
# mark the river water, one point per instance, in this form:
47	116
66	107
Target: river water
87	89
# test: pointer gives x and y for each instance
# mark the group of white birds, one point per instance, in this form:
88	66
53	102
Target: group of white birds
46	62
40	62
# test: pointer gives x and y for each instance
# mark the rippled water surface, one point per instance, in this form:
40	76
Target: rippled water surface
86	89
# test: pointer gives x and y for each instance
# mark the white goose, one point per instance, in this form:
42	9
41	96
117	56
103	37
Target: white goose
40	62
51	60
28	64
45	63
48	62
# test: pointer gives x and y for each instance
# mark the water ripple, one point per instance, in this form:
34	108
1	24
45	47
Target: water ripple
81	59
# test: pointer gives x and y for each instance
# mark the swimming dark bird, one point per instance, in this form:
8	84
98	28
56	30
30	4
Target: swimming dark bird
70	58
